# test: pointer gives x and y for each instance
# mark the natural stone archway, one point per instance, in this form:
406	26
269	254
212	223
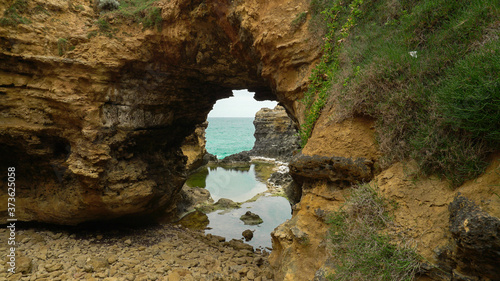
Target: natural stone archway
96	134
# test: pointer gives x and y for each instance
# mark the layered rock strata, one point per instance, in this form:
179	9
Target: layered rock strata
275	137
275	134
442	227
93	118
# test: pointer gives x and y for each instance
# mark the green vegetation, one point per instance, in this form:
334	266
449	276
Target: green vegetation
137	11
105	29
141	11
321	79
299	20
361	251
62	46
108	5
13	15
426	70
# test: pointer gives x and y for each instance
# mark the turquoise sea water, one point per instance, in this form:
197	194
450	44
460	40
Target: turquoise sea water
229	135
226	136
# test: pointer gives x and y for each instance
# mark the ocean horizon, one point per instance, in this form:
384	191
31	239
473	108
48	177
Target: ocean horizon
229	135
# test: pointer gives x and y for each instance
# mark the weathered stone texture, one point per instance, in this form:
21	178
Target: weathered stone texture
477	239
275	134
94	127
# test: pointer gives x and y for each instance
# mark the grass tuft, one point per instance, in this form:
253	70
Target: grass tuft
141	11
62	46
361	251
426	70
13	15
299	20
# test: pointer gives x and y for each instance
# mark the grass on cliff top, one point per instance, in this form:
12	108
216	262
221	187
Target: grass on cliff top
360	250
137	11
426	70
13	14
141	11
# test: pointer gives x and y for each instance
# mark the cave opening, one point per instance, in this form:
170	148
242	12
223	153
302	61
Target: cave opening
237	181
230	123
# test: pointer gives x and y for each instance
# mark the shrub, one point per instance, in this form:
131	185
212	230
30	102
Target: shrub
108	5
426	71
299	20
141	11
12	17
62	46
360	250
470	94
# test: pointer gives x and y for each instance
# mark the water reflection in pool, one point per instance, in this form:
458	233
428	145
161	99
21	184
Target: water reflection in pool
273	210
236	183
241	184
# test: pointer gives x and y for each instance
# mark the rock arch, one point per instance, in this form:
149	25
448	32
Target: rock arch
96	134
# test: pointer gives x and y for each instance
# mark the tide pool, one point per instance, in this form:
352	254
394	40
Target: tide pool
236	183
241	184
273	210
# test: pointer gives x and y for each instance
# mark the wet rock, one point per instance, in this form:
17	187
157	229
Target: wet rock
250	218
192	197
195	220
209	158
477	239
242	157
247	234
225	203
284	181
222	204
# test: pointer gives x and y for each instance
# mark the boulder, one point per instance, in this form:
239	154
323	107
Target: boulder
477	239
331	168
194	220
247	234
250	218
192	197
95	133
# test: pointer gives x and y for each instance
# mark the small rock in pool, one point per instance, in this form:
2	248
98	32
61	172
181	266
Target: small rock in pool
247	234
250	218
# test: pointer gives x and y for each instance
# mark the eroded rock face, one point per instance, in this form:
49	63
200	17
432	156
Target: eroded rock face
335	169
477	239
193	147
275	134
94	127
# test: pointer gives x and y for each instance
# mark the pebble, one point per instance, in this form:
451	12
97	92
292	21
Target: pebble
155	253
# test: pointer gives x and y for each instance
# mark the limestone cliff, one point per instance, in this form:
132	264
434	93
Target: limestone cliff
275	134
443	225
193	147
95	109
93	116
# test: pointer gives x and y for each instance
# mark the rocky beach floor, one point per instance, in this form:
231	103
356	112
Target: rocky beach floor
158	252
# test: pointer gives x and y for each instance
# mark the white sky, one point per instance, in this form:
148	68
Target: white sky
242	104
